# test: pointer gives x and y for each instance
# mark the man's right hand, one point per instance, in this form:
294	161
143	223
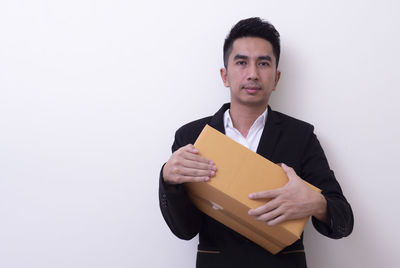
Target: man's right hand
186	165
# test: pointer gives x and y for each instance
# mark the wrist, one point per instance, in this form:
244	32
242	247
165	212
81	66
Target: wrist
321	212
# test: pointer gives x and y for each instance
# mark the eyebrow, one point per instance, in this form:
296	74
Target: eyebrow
268	58
243	57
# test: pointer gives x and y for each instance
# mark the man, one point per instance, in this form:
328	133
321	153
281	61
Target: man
251	57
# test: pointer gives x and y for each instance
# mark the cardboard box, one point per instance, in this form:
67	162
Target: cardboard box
240	172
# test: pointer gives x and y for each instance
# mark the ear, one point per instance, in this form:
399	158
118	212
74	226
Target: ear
277	77
224	75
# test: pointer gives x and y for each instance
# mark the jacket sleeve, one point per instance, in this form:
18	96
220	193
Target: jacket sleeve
316	170
182	217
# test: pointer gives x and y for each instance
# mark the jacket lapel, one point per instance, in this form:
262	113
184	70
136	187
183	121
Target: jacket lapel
270	135
217	121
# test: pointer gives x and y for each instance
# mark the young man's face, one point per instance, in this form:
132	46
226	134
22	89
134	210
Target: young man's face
251	72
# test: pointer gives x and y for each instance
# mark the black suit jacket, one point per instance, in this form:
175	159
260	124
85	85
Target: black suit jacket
284	140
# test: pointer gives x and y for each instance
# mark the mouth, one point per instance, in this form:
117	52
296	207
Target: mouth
251	89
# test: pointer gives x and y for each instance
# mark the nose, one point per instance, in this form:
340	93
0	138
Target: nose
252	72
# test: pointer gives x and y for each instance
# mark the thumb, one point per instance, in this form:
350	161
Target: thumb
290	173
192	149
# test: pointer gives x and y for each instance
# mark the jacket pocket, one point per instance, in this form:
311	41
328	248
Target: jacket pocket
208	257
293	251
208	251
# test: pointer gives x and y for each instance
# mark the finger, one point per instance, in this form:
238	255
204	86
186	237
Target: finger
187	159
195	172
270	194
193	150
196	161
267	217
197	158
198	166
266	208
277	220
185	179
189	148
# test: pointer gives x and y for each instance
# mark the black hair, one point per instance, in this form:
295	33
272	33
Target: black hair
253	27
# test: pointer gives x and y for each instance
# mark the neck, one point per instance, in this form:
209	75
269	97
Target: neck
243	117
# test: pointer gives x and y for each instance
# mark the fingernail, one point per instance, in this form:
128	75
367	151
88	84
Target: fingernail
211	162
214	168
251	196
212	173
206	178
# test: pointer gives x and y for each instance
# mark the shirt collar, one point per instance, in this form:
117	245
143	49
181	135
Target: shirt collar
260	121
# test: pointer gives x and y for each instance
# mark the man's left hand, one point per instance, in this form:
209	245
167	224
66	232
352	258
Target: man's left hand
295	200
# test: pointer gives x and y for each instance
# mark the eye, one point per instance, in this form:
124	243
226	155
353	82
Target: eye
264	63
241	62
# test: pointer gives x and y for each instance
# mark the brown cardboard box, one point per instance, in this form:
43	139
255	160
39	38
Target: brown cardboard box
240	172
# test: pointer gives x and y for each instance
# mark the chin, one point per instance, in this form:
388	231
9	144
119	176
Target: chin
254	103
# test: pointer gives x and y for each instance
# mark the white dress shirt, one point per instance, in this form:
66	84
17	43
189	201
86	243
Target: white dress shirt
253	137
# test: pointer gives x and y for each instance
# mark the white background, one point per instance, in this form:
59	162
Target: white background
91	93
